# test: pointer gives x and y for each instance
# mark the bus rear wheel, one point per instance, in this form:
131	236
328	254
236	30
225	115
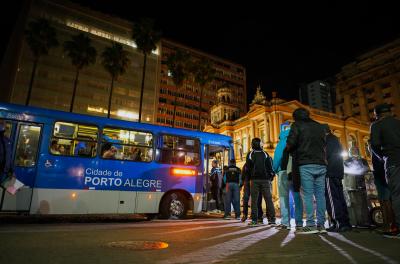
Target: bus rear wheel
174	206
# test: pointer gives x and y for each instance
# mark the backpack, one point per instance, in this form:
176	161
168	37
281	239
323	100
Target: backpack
261	165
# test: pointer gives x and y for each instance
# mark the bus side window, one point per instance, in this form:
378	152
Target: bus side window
122	144
72	139
27	145
180	150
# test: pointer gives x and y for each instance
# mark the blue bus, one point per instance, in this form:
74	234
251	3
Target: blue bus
78	164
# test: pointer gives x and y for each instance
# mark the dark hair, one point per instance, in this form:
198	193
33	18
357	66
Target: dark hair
382	108
232	161
54	142
256	143
106	146
301	114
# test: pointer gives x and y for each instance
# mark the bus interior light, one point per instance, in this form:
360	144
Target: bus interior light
183	172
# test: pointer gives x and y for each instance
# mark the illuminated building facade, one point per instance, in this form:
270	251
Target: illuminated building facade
373	78
265	118
54	79
228	74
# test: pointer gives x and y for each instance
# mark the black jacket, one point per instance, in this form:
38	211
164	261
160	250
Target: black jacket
334	157
385	139
307	139
259	164
232	174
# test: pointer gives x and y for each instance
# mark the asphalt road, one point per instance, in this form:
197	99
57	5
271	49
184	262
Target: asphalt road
189	241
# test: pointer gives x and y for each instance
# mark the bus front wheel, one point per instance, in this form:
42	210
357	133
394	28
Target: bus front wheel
174	206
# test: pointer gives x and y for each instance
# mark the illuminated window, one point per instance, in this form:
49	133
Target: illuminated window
127	145
179	150
72	139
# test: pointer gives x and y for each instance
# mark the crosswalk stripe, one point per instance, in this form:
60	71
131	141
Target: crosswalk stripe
288	238
243	231
204	227
373	252
221	251
338	249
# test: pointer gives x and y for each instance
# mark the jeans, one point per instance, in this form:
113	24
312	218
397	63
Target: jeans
262	187
313	185
232	197
284	187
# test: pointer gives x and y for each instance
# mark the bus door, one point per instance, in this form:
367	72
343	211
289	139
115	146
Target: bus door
221	155
26	142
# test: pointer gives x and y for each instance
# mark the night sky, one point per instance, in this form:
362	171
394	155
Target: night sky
281	46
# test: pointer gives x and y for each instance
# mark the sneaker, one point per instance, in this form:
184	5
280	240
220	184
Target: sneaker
392	235
271	223
227	217
332	229
238	218
345	228
307	230
252	224
298	228
243	219
260	221
321	230
283	227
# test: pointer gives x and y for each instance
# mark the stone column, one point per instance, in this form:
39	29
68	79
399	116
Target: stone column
362	105
347	105
266	132
395	95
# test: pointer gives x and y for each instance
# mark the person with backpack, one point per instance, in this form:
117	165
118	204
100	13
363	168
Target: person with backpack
261	175
232	179
246	196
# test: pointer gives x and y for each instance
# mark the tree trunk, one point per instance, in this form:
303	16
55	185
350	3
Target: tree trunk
28	98
110	97
71	107
142	88
201	99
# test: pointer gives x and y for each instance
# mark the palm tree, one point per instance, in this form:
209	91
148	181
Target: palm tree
82	54
203	73
146	39
178	66
115	61
41	37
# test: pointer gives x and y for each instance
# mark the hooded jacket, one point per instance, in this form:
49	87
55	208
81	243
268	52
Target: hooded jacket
279	151
307	139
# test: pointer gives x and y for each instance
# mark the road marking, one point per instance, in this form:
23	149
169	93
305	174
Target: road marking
91	226
202	227
288	238
373	252
220	251
243	231
338	249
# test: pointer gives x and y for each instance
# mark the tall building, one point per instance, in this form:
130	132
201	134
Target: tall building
318	94
55	75
228	75
373	78
266	118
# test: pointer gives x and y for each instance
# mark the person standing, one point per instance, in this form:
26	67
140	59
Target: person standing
307	139
215	176
259	164
389	225
385	142
282	165
335	201
232	179
246	196
6	167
